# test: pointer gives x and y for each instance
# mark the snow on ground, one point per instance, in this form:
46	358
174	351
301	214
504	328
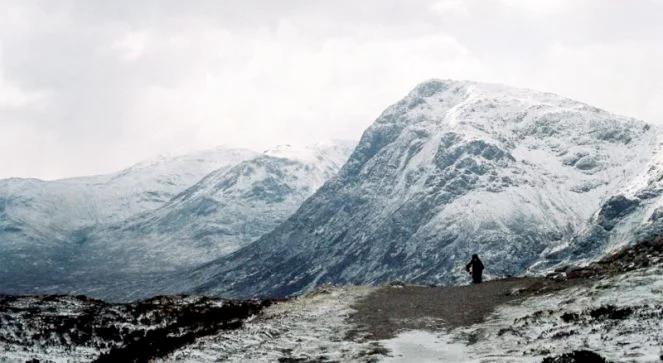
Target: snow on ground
620	318
423	346
311	327
16	327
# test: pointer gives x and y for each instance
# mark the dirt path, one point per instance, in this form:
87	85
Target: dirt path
392	309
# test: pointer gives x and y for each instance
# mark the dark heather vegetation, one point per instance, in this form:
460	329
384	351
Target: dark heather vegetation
134	332
578	356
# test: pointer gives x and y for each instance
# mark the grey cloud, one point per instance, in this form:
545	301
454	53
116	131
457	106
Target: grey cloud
92	86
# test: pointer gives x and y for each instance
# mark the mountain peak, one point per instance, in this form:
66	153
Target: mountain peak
336	150
477	90
434	86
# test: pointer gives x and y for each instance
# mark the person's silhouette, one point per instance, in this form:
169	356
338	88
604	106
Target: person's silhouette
475	267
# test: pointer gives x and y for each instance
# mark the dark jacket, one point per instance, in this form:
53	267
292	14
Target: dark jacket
475	267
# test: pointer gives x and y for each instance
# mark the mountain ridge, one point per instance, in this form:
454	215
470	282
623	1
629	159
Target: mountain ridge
225	210
173	214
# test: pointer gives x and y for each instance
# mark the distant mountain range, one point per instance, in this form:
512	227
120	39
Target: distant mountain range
161	215
528	180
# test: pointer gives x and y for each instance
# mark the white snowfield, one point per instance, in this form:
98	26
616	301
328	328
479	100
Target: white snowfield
44	223
81	202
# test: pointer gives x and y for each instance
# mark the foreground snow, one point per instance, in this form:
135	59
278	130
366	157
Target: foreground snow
59	328
424	346
312	327
620	318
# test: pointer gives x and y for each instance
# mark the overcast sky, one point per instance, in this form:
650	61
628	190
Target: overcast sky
89	87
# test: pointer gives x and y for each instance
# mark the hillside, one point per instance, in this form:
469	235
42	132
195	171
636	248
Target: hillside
44	223
122	235
224	211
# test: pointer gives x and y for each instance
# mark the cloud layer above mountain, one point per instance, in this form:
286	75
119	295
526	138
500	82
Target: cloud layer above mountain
90	86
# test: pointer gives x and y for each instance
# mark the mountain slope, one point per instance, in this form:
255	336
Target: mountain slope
42	223
454	168
224	211
78	202
632	214
142	224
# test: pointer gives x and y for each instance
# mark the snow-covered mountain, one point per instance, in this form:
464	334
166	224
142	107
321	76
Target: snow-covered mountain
456	168
43	222
79	202
226	210
526	179
85	234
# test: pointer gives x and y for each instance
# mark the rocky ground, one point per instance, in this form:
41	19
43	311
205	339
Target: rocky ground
610	310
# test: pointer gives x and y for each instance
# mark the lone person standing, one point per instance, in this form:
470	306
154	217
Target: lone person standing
475	268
